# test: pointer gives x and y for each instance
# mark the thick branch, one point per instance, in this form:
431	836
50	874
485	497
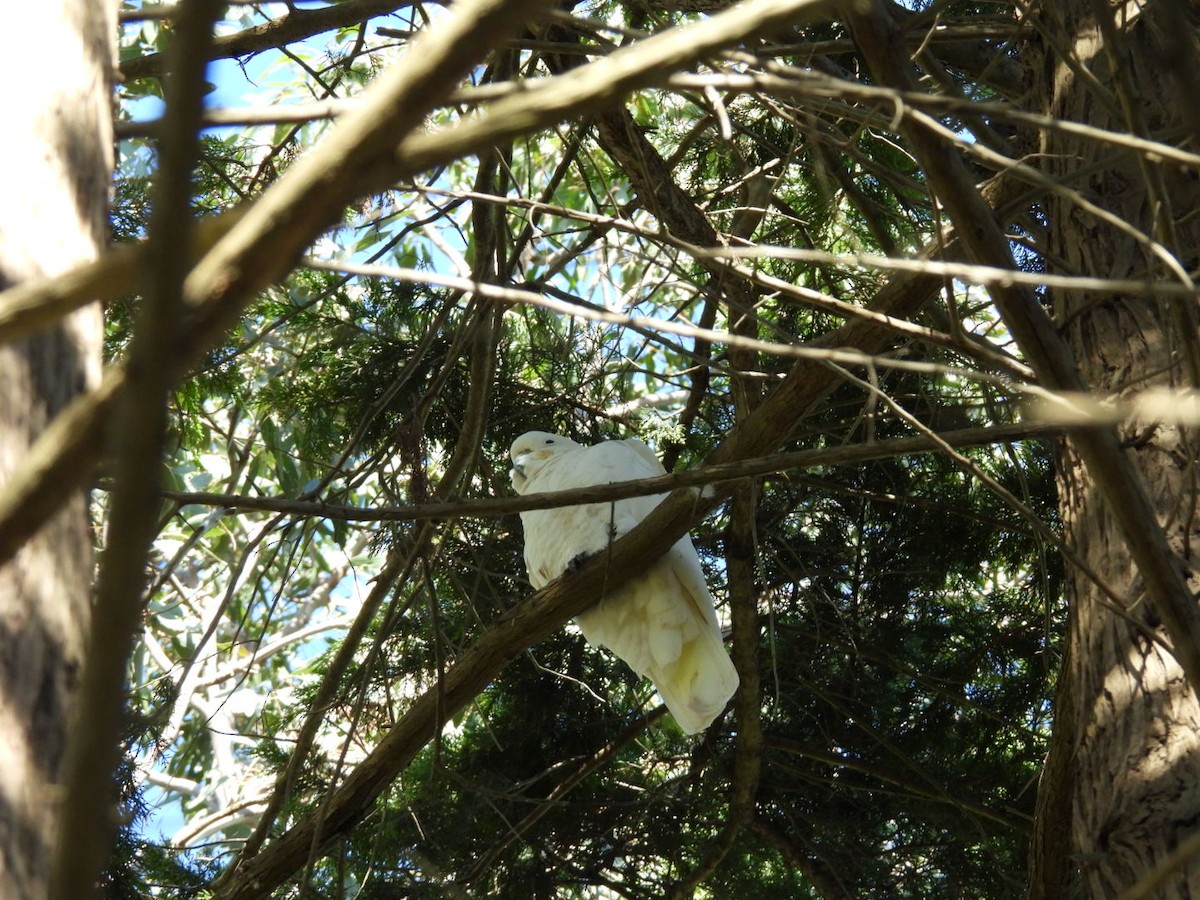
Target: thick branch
136	441
529	622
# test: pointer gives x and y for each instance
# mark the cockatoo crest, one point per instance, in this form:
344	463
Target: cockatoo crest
661	623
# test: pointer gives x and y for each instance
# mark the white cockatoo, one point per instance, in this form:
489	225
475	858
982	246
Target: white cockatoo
662	623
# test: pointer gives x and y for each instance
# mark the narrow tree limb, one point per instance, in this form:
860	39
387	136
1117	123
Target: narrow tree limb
398	562
297	25
848	455
735	281
591	764
741	554
599	84
901	780
458	471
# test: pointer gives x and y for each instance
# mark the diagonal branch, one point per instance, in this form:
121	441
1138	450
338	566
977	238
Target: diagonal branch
262	244
1116	477
527	623
365	153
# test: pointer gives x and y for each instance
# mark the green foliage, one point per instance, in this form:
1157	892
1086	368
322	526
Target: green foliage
907	643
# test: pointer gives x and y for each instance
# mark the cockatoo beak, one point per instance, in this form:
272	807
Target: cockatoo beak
517	472
527	464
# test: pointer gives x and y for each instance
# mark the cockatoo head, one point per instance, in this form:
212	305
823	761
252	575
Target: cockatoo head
531	451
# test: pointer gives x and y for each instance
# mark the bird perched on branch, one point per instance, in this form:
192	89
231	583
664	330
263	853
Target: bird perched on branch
662	623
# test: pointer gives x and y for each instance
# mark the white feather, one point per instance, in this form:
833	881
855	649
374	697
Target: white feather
661	623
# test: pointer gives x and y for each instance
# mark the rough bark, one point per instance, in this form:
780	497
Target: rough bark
52	216
1127	747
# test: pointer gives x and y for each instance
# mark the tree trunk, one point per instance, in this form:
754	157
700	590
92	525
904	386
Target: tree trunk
57	155
1120	790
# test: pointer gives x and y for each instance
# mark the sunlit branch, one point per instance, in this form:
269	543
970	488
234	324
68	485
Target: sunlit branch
985	276
517	296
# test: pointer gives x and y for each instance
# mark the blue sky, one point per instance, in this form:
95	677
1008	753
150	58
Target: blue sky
231	81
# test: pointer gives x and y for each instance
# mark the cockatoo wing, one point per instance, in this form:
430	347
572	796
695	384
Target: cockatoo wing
662	623
664	626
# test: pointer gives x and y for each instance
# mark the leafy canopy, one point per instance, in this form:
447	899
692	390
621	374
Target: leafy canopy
904	606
